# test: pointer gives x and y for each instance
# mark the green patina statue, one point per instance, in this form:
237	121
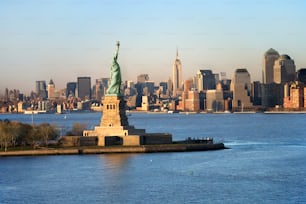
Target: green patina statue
115	76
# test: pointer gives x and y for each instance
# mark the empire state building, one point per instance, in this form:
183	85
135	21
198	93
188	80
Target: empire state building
177	75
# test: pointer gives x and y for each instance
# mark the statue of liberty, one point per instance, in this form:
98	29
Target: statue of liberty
115	76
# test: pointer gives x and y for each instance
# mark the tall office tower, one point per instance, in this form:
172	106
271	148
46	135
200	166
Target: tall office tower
41	89
130	84
241	88
164	87
13	95
6	94
140	85
256	93
217	78
130	89
105	82
272	95
301	75
226	83
51	89
177	75
148	88
269	59
84	88
205	80
223	75
284	70
98	90
170	87
70	89
214	100
142	78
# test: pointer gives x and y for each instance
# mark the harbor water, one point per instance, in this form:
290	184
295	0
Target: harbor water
266	163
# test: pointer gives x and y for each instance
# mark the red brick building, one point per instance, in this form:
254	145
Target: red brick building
294	98
190	99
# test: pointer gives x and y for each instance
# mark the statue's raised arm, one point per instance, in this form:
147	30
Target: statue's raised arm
117	50
115	76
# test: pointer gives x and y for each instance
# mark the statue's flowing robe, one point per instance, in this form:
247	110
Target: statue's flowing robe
115	76
115	79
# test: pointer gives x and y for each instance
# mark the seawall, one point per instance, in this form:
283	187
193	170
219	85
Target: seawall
116	149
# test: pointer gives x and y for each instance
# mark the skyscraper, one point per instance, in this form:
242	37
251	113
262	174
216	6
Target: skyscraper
164	87
98	90
148	88
140	85
6	94
70	89
284	70
41	89
205	80
130	89
142	78
268	66
177	75
241	88
214	100
170	87
51	89
301	75
84	87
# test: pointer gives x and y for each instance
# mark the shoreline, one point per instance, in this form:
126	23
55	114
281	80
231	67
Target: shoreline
181	112
115	149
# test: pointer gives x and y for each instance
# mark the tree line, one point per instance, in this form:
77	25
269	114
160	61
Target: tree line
17	134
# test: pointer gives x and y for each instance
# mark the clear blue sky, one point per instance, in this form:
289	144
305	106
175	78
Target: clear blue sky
64	39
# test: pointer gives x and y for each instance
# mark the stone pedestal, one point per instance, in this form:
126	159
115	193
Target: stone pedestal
114	123
114	128
114	112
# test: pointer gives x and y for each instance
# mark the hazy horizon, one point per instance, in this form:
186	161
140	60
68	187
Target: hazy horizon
63	40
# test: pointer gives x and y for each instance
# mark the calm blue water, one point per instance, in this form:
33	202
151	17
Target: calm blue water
266	164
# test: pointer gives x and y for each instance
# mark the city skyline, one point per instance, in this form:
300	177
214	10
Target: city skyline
63	40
